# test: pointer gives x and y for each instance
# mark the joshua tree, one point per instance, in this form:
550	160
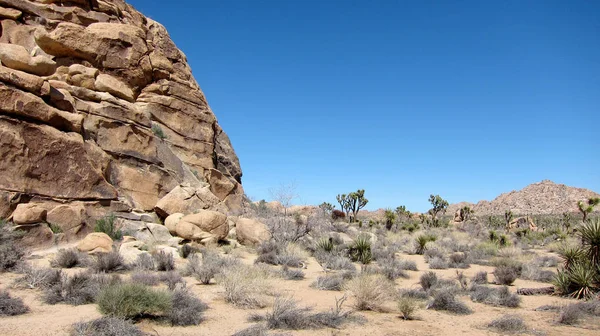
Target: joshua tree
566	221
465	213
588	206
508	216
390	218
402	212
327	208
357	202
439	205
344	201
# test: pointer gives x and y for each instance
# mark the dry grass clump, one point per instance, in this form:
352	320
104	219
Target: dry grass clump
172	279
407	307
458	260
10	306
10	253
163	261
207	268
414	293
480	278
37	277
505	274
69	258
533	272
109	262
144	262
330	282
146	278
281	253
438	263
508	324
495	296
428	280
371	291
244	286
106	326
292	273
573	313
446	300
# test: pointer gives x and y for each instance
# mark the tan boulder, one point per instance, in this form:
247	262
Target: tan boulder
114	86
172	220
96	242
10	13
69	217
36	235
212	224
251	232
522	223
29	213
220	185
186	200
24	81
16	57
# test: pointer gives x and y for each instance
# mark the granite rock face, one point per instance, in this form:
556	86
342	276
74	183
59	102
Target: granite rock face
99	112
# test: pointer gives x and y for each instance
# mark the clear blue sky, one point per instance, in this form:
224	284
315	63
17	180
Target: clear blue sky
466	99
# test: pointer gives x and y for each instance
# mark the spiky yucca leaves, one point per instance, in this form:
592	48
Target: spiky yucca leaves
361	249
570	255
422	240
562	282
590	239
325	244
582	277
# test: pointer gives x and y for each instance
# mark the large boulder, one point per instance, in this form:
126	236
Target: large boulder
95	242
16	57
172	220
29	213
522	223
186	200
70	218
204	226
251	232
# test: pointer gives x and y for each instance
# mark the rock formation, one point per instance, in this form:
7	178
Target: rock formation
99	113
542	198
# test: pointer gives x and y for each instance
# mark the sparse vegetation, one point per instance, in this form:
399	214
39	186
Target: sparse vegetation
10	306
157	130
106	326
69	258
505	274
109	262
495	296
331	282
244	286
447	301
130	300
163	262
186	309
508	324
371	291
107	225
407	307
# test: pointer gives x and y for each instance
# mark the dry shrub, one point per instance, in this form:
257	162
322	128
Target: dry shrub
81	288
495	296
109	262
187	309
447	301
10	306
331	282
428	280
438	263
370	291
163	261
570	314
171	279
244	286
480	278
69	258
407	307
144	262
505	275
146	278
106	326
37	277
508	324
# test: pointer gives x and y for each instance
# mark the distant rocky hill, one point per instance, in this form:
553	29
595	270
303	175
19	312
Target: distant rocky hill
545	197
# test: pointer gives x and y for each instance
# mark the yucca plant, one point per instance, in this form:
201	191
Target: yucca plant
421	242
325	244
361	249
562	282
590	239
570	255
582	277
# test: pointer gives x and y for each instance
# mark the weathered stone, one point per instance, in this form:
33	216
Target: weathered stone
72	14
227	162
185	200
131	250
127	140
523	223
22	80
16	57
10	13
29	213
114	86
172	220
211	222
36	235
23	104
96	242
251	232
69	217
7	205
160	233
39	159
220	185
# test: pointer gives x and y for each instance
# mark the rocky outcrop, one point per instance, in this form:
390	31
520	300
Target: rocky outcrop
251	232
545	197
99	113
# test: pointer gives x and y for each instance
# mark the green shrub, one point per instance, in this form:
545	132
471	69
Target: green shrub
157	130
107	225
360	250
130	300
407	307
421	242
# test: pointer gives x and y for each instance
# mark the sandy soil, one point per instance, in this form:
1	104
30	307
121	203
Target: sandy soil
225	319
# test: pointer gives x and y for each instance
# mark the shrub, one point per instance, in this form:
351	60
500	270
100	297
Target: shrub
339	263
407	307
408	265
145	278
144	262
428	280
37	277
244	286
157	130
130	300
590	239
508	323
578	281
417	294
391	269
68	258
331	282
212	264
505	275
107	225
545	261
437	263
10	306
360	250
371	291
570	255
106	326
495	296
10	255
532	272
81	288
458	260
446	300
187	309
164	262
172	279
325	244
480	278
109	262
186	250
292	274
421	242
287	315
570	314
280	253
